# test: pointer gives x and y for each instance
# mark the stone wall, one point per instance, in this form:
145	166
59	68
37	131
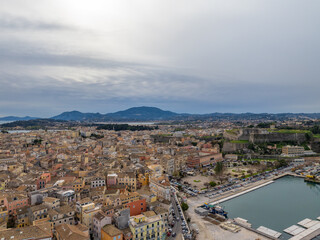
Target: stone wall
277	137
315	145
229	147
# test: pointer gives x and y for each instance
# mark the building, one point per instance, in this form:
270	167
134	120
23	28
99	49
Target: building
82	205
127	234
72	232
128	179
146	226
121	218
292	150
98	182
110	232
66	196
37	212
78	185
87	216
164	214
62	215
41	183
100	219
22	217
127	197
137	207
3	217
143	179
51	202
15	201
161	187
112	179
39	232
203	160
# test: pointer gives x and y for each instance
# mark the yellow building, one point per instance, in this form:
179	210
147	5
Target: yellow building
3	217
88	212
293	150
146	226
143	179
128	197
128	179
78	185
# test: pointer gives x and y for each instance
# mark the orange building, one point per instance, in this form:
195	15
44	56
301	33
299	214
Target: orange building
137	207
110	232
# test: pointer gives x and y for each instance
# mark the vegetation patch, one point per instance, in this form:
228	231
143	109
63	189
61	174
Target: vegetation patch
239	141
197	180
233	131
289	131
122	127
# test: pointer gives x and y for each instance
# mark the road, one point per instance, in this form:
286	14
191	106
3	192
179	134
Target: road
177	227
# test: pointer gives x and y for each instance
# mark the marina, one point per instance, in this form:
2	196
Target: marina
282	199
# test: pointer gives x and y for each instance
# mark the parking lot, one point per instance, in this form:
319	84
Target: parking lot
229	187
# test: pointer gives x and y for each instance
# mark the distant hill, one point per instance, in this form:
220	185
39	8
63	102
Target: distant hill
34	124
131	114
78	116
13	118
141	114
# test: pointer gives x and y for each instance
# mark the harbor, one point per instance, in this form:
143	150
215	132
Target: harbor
283	199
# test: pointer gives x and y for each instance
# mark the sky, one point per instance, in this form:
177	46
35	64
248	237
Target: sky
183	55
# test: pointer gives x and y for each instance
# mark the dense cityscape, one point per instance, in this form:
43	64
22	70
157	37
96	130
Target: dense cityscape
153	180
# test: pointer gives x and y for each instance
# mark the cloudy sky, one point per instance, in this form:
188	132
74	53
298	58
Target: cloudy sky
182	55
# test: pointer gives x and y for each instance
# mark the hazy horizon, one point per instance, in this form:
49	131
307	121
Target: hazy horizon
52	115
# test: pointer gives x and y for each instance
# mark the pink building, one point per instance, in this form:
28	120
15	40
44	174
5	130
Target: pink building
15	201
112	179
46	177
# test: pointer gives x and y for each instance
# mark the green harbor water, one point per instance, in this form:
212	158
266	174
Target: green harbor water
279	205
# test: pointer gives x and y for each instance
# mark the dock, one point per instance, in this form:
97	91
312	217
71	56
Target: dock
309	230
269	232
309	233
308	223
241	193
294	230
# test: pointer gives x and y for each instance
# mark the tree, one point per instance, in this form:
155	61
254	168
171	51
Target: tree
281	163
251	146
308	136
184	206
212	184
219	169
194	143
315	129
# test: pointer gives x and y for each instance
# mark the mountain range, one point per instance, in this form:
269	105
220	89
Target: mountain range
157	114
13	118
